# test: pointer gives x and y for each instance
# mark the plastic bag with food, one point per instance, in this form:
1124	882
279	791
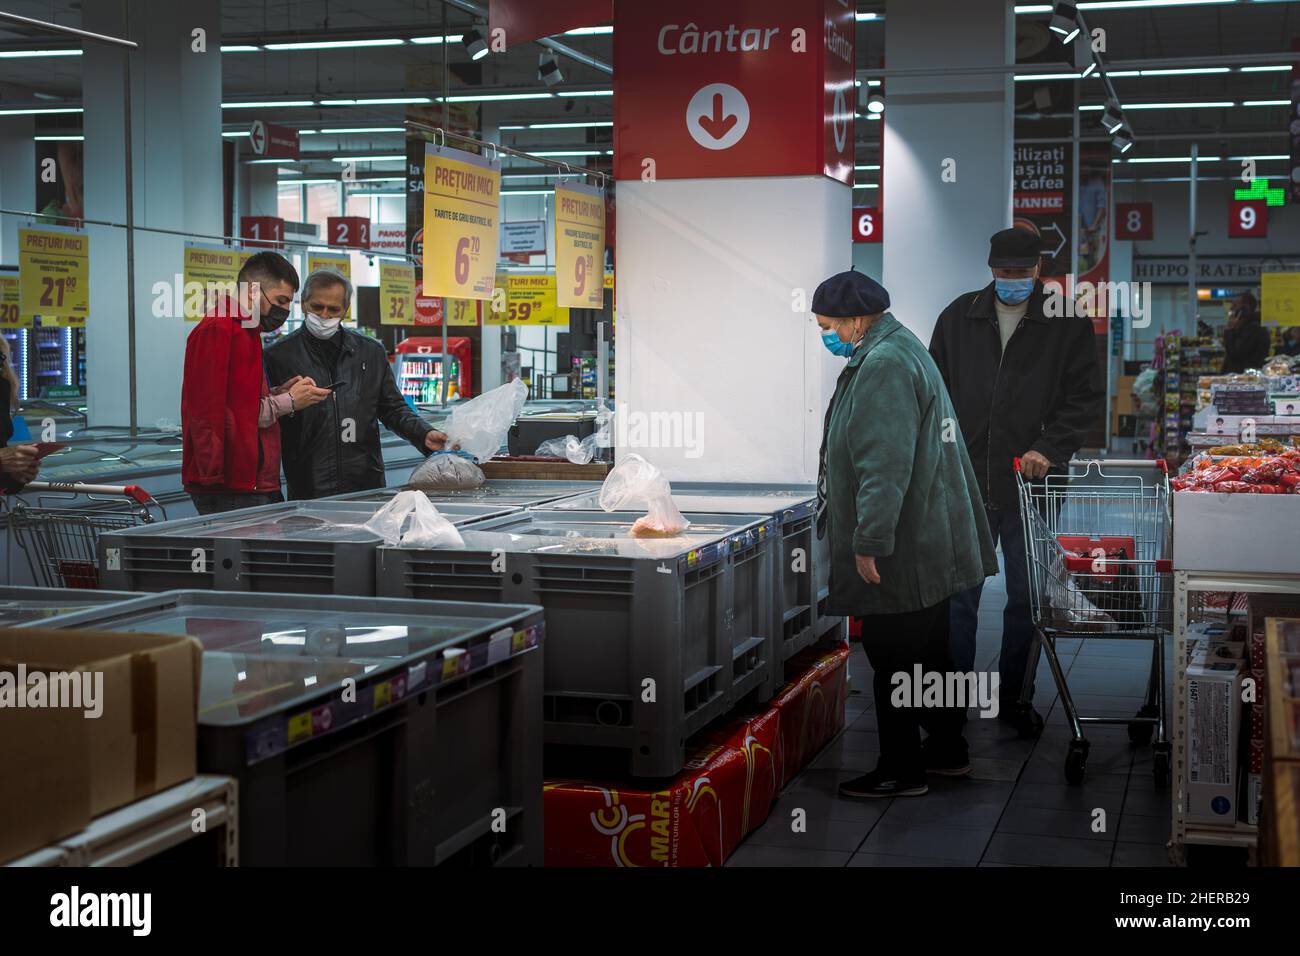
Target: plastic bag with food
578	452
411	521
446	471
479	426
635	483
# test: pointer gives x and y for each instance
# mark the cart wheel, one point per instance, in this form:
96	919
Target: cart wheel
1140	734
1076	761
1160	766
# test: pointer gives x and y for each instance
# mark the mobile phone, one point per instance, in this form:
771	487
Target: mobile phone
339	384
48	448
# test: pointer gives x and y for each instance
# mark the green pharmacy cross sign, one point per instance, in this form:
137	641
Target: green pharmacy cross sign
1259	189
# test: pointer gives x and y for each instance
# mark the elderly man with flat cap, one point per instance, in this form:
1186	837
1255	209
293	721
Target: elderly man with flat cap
1027	386
906	526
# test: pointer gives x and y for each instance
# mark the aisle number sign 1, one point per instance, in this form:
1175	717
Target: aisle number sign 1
333	262
10	317
396	293
53	275
579	246
209	273
530	300
461	223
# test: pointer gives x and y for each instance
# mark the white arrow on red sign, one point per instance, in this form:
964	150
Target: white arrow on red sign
257	134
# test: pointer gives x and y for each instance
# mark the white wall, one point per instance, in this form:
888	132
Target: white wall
707	273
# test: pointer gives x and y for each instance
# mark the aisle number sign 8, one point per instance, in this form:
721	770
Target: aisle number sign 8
461	223
1134	221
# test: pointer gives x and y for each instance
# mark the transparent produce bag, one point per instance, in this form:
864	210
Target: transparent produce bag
411	521
578	452
634	483
479	426
446	471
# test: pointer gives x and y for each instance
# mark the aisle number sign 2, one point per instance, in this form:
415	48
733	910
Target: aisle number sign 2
53	274
579	246
461	223
10	316
332	262
396	293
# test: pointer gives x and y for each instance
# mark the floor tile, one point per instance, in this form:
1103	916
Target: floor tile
758	855
959	814
1039	821
883	860
819	834
1140	854
1134	828
923	840
1046	850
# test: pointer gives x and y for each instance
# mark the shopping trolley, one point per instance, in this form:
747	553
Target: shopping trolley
1099	547
59	533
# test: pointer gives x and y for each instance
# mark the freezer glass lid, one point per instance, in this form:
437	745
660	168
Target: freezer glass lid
294	522
568	533
18	612
258	659
762	502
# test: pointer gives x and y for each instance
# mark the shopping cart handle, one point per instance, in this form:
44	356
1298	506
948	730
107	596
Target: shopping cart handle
1015	463
135	492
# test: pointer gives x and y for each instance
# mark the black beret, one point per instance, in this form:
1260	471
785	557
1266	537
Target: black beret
848	295
1014	249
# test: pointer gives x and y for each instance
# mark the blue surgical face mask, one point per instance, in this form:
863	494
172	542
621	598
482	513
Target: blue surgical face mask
1013	291
831	339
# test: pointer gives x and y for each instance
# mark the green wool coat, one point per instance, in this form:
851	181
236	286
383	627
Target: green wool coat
898	483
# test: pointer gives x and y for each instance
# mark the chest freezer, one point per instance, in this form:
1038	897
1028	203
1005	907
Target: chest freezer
514	492
37	606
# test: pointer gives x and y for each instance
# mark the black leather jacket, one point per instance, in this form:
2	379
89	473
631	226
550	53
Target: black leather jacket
318	461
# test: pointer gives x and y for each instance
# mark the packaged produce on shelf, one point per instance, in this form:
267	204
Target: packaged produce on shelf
1277	474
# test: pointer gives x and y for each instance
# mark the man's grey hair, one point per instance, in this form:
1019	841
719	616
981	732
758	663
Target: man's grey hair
326	277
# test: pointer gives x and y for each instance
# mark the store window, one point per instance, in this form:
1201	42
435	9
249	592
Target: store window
289	207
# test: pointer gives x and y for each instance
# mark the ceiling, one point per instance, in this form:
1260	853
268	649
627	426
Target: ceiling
1190	34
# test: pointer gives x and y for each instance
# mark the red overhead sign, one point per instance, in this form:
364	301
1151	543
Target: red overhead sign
261	230
525	20
353	231
867	225
272	141
747	88
1247	219
1134	220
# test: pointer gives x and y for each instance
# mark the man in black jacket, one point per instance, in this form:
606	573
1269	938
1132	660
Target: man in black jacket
333	448
1024	385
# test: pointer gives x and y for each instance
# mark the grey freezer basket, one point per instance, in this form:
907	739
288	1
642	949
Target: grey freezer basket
38	607
687	613
801	585
299	547
434	758
516	492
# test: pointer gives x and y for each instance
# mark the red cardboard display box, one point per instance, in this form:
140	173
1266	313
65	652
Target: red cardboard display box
732	776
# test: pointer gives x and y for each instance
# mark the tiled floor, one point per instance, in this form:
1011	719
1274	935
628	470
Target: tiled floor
1015	809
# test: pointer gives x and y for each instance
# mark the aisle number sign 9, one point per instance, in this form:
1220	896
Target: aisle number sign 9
579	246
10	316
331	262
53	275
396	293
461	223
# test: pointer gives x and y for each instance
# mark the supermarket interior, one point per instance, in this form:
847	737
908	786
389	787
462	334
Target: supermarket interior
598	434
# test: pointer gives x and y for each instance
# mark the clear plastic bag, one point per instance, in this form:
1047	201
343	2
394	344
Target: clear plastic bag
411	521
635	483
479	427
446	471
578	452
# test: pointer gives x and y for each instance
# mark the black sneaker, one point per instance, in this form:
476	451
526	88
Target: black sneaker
945	766
876	785
1027	721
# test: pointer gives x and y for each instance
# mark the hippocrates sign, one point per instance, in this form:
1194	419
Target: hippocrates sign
461	223
53	274
1173	270
579	246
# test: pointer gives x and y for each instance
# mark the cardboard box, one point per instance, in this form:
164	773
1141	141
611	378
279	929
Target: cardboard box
1213	727
1124	395
144	738
1236	532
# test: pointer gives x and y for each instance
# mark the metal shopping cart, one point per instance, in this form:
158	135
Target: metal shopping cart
60	532
1099	548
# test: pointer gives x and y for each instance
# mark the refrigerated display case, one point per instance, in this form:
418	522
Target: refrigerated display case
417	364
47	358
497	491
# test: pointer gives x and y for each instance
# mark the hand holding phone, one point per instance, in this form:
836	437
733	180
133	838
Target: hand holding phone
44	448
338	384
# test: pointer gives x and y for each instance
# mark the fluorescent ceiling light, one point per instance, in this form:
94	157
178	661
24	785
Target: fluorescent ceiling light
567	152
588	31
1265	69
334	44
491	97
1188	71
266	104
583	125
864	17
58	139
26	54
1261	158
451	38
240	48
381	179
359	192
1168	159
526	192
378	101
1212	104
586	93
1023	77
873	116
286	181
872	166
1265	102
365	159
528	175
354	129
267	162
40	111
867	186
1120	5
234	134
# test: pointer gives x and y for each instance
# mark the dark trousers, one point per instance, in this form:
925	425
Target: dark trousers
895	644
1017	620
218	503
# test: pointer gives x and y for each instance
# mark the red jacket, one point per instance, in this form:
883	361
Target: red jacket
224	450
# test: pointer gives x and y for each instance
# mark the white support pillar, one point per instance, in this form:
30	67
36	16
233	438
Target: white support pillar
937	227
176	146
18	174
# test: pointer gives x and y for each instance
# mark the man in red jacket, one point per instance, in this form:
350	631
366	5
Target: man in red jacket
229	412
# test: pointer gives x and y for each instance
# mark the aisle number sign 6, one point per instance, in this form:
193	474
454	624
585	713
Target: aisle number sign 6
867	226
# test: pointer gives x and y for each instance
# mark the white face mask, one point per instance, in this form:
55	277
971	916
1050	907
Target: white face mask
321	327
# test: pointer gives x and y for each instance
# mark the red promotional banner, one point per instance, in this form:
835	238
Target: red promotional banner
748	88
525	20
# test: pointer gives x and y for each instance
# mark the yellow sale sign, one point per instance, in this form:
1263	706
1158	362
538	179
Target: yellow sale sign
461	223
10	316
461	311
209	273
334	262
530	300
53	275
579	246
396	293
1279	298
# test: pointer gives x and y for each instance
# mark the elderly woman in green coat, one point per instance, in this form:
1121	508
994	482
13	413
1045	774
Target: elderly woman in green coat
906	524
